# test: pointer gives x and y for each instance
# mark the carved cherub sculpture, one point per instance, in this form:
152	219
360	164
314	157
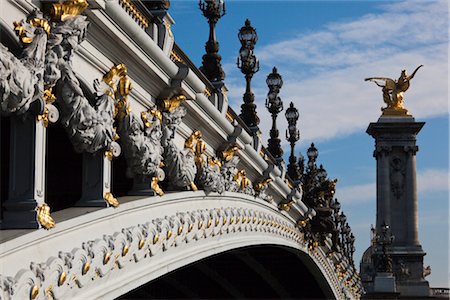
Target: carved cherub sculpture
393	91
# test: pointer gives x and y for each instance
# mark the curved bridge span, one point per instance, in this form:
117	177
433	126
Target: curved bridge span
107	253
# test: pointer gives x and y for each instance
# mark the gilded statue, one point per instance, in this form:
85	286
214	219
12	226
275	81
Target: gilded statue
393	92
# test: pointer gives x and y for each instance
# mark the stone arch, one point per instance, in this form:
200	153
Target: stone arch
252	272
113	251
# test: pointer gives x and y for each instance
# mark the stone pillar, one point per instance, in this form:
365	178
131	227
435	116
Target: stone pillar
395	143
26	173
96	180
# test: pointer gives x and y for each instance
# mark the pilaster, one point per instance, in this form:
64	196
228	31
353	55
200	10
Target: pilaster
27	173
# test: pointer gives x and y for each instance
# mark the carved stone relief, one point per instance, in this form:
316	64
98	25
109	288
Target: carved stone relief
63	275
142	146
397	176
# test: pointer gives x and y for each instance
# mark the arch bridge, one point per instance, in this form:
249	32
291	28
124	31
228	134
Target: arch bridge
129	175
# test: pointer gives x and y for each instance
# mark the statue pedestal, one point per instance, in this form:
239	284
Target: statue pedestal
397	201
384	283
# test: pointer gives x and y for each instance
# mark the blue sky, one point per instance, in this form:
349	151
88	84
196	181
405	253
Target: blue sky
324	50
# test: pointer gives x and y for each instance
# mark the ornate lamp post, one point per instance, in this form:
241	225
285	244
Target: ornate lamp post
213	10
293	135
249	65
383	261
275	106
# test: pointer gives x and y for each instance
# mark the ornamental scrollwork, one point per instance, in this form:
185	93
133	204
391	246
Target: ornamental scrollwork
68	272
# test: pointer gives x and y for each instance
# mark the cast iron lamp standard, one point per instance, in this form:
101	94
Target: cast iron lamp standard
275	106
293	135
213	10
249	65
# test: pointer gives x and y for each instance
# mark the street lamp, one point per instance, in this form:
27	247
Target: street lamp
312	154
213	10
249	65
275	106
293	135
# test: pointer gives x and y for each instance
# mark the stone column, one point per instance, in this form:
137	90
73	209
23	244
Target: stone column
27	173
395	139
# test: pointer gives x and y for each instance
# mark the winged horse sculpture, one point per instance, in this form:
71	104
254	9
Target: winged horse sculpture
393	89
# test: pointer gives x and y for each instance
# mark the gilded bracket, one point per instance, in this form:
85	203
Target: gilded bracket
43	216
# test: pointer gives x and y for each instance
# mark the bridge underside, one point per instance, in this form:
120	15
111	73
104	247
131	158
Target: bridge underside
256	272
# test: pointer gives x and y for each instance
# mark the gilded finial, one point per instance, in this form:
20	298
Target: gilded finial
67	9
393	92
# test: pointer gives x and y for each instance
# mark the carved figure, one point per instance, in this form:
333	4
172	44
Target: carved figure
393	90
210	177
21	81
142	145
426	271
180	165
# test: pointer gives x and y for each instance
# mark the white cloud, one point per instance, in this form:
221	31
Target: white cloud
430	180
433	180
324	71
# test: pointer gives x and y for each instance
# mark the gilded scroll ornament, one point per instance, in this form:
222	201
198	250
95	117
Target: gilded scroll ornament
111	200
244	184
155	186
67	9
261	189
25	30
227	154
171	104
393	92
43	216
197	146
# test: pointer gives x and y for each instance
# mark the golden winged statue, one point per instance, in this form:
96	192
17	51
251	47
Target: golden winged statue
393	92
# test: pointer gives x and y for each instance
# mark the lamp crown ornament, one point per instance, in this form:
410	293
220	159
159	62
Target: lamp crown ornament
213	10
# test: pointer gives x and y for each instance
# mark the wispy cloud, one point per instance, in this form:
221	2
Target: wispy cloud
430	180
323	71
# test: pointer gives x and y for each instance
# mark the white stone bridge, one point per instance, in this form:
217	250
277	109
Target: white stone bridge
122	164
